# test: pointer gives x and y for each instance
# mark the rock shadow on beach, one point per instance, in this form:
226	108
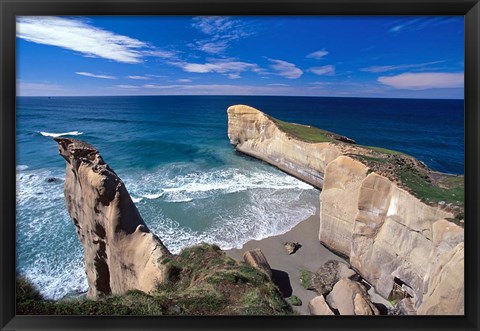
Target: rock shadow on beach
282	280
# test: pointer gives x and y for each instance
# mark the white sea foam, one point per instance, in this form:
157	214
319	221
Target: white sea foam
227	207
56	135
135	200
21	167
48	250
263	217
201	185
152	196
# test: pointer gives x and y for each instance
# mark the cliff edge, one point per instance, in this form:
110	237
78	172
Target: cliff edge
256	134
121	254
398	222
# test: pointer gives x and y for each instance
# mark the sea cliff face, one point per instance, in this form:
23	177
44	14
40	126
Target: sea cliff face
255	134
389	235
397	242
121	254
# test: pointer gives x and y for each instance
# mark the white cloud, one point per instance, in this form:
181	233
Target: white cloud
80	37
376	69
127	86
221	31
232	68
89	74
422	23
210	47
90	41
139	77
328	70
160	53
285	69
318	54
212	24
278	85
211	89
156	76
220	27
161	87
184	80
423	81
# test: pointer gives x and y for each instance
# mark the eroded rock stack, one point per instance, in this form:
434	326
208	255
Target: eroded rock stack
393	239
121	253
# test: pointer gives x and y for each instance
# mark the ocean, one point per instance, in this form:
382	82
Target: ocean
189	184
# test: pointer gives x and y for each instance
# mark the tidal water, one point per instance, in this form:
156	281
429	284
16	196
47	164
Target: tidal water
187	181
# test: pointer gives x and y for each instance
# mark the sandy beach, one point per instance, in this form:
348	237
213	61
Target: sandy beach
286	268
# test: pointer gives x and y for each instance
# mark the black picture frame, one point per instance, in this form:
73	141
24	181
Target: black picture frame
10	8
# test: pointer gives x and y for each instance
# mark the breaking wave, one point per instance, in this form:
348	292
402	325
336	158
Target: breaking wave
56	135
227	207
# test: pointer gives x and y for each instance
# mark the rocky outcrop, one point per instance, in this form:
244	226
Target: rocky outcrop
387	233
329	274
121	254
256	259
397	242
351	298
318	306
255	134
444	285
291	247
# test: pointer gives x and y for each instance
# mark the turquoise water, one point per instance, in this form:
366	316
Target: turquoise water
189	184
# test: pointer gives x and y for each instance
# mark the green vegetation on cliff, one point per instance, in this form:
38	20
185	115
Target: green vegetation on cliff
201	280
409	173
446	188
304	132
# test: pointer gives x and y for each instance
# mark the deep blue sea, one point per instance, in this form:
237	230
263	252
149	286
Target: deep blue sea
189	184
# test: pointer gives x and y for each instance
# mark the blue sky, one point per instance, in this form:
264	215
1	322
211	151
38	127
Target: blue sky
391	56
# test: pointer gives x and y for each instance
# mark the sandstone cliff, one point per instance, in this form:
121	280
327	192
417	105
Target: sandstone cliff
255	134
390	236
121	254
378	207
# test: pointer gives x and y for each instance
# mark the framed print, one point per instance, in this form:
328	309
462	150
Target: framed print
280	164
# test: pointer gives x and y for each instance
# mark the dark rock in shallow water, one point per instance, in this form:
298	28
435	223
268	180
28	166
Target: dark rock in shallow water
53	180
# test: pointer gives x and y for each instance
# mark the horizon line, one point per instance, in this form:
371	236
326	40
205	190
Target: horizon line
230	95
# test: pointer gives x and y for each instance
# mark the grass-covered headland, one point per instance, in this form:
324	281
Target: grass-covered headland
201	280
429	186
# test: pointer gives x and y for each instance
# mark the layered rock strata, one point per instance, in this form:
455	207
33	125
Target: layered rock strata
121	254
398	243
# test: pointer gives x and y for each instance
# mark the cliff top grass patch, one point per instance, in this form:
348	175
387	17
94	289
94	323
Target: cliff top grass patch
411	174
384	150
304	132
403	169
447	189
201	280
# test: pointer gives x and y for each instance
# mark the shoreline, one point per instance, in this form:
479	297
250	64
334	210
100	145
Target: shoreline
286	268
